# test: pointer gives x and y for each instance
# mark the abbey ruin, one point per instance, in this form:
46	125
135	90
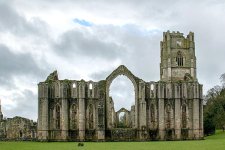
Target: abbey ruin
17	128
169	109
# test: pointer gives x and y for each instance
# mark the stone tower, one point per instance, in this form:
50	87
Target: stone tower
178	61
1	115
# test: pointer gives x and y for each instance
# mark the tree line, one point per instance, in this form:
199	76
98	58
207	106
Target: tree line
214	108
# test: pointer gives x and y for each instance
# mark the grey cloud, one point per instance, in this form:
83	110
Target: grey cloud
97	76
17	64
12	21
141	49
78	43
25	105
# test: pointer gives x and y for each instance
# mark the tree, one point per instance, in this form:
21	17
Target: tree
214	110
222	79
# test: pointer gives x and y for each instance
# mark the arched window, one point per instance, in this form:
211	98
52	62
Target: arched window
90	86
152	108
168	116
184	117
152	87
91	117
90	89
57	116
73	117
74	90
179	59
74	85
100	114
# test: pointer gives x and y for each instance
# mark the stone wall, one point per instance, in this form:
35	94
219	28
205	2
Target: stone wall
165	111
18	128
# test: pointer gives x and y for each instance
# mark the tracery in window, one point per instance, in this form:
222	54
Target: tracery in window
179	59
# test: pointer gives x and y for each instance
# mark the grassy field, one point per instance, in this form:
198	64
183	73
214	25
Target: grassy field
215	142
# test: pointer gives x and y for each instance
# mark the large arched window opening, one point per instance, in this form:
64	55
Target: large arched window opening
122	95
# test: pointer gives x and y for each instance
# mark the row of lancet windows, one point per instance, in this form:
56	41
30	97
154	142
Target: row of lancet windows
90	86
169	114
179	59
73	117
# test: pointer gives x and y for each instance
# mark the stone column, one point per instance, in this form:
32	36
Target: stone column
196	112
142	105
82	111
39	127
45	119
101	120
177	112
161	111
65	121
142	111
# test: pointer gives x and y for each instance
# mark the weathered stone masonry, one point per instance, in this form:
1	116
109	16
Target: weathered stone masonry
170	109
17	128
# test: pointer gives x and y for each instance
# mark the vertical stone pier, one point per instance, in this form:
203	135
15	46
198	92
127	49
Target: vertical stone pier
45	119
82	111
177	111
65	122
161	111
196	112
142	112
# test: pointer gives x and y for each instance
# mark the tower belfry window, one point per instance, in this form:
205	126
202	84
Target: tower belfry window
179	59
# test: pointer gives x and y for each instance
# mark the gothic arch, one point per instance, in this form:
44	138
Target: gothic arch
121	70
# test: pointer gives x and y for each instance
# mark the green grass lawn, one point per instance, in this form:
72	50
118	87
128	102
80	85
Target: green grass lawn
215	142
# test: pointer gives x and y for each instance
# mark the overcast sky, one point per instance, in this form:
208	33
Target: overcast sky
86	39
